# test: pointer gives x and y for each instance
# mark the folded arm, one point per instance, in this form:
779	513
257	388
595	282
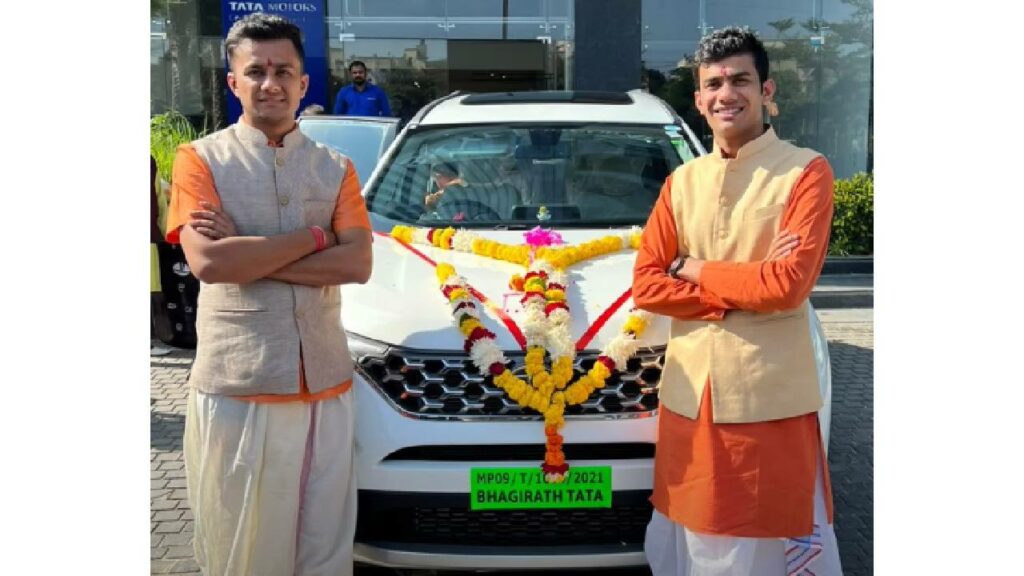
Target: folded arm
776	284
653	289
242	259
350	261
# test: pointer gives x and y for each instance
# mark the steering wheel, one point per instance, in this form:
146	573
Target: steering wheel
471	210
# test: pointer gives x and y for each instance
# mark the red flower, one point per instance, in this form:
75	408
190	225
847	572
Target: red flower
551	307
478	333
556	286
608	362
529	295
430	235
464	304
550	469
496	369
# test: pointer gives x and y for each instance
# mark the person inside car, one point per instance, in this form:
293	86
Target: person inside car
457	198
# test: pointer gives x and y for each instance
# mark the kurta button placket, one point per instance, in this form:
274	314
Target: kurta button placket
279	161
723	234
284	200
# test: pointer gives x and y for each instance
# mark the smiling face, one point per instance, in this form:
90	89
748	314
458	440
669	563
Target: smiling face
267	78
730	97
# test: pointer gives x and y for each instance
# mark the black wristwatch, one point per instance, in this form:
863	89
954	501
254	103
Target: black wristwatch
676	265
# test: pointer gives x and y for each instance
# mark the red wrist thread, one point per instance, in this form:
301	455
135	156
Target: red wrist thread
319	236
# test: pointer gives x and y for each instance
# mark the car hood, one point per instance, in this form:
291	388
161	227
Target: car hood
402	303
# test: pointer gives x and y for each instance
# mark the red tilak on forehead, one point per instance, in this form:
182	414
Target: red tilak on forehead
269	63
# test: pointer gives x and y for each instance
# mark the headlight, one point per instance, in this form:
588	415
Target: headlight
360	347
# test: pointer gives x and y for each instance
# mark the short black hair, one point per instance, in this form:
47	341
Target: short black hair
445	168
730	41
355	63
259	26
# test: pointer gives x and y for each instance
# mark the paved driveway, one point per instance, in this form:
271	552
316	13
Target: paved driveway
851	344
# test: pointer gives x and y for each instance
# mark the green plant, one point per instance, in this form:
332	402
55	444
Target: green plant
167	131
853	221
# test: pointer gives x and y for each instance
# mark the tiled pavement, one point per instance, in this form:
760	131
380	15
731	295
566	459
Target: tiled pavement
851	344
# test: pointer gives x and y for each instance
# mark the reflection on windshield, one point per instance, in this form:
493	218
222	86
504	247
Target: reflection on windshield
521	175
360	141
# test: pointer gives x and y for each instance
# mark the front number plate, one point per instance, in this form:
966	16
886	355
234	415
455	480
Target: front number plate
521	488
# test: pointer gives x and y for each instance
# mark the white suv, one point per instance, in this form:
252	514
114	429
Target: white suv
586	165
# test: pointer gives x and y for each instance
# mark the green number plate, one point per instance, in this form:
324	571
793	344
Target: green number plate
520	488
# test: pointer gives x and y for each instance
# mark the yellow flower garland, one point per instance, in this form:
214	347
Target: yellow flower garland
546	392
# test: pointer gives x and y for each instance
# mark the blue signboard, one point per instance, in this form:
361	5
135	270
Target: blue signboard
309	16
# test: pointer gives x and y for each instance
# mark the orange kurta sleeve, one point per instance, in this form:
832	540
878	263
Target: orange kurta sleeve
191	182
766	286
653	289
350	209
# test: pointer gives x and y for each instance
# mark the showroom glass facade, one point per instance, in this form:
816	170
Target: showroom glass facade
417	50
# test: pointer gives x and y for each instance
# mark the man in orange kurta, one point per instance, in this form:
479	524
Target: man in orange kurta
741	484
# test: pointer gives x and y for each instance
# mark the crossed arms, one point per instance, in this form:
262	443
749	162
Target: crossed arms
705	289
216	253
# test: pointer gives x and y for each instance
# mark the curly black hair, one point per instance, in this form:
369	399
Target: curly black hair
259	26
730	41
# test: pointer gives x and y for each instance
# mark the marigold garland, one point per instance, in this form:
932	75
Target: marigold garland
546	326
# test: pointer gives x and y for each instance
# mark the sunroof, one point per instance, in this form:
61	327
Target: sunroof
549	96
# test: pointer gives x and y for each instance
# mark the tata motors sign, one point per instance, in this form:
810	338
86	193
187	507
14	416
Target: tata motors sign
309	17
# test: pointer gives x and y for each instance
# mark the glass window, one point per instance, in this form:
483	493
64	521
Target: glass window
474	8
483	176
424	8
412	72
187	63
361	140
526	8
820	53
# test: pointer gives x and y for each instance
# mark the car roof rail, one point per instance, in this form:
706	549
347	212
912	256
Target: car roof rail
418	117
550	96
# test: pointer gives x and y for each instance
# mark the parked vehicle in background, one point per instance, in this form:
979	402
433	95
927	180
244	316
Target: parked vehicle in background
364	139
586	165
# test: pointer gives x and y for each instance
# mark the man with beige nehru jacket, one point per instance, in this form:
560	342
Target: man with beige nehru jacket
271	224
731	253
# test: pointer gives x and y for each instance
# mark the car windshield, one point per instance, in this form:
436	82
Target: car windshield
518	175
362	141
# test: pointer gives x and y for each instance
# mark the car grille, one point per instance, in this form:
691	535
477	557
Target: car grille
439	385
436	519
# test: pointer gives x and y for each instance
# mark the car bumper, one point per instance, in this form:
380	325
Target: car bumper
414	510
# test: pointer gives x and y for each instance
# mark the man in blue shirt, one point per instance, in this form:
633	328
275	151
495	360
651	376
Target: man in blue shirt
361	98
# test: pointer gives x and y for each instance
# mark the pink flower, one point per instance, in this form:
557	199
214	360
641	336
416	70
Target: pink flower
538	237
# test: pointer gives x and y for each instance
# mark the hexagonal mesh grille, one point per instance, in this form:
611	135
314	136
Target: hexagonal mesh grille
426	384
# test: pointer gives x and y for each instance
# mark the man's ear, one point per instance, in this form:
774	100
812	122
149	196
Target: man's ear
233	83
768	89
303	85
698	102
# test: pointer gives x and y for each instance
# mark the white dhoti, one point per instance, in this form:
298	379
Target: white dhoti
271	486
673	550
